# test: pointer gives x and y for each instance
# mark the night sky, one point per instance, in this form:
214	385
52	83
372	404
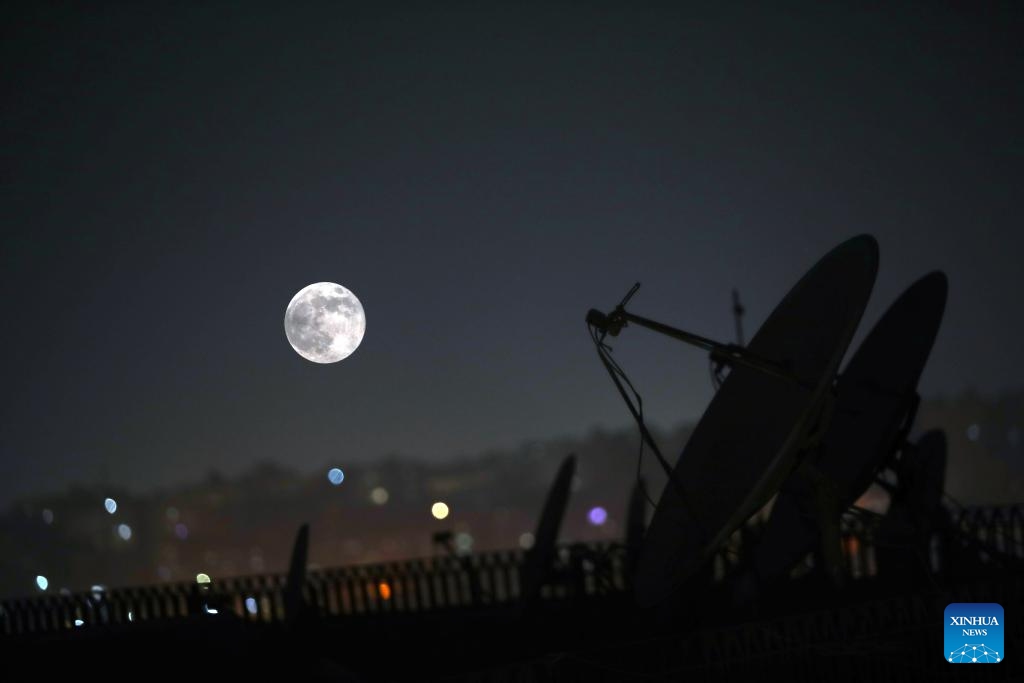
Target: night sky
479	178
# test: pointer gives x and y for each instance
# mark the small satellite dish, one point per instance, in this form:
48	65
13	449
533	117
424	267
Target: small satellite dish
294	600
635	524
746	442
904	534
922	477
541	556
875	399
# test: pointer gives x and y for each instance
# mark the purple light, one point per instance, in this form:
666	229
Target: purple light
181	531
597	516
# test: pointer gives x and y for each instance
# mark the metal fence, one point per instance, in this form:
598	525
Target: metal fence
483	580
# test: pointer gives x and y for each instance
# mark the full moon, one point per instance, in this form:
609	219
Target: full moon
324	322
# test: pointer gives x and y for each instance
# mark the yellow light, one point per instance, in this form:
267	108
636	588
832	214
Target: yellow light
202	578
385	590
379	495
439	510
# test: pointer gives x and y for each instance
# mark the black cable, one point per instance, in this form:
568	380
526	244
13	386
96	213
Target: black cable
616	372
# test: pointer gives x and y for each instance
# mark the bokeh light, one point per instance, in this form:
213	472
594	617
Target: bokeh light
385	590
463	543
202	578
379	495
439	510
526	540
181	531
250	605
42	582
111	505
124	531
597	516
973	432
48	516
335	476
172	514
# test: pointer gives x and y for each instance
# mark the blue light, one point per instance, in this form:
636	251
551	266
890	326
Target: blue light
335	476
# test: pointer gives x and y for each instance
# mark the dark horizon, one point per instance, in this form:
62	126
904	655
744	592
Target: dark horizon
480	179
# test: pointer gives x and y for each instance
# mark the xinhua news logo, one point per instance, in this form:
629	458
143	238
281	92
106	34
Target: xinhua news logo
974	633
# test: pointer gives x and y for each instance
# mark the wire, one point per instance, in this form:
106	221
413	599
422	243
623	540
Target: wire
619	377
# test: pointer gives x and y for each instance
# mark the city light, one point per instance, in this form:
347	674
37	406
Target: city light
124	531
202	578
181	531
111	505
250	605
526	540
335	476
42	582
439	510
597	516
385	590
379	495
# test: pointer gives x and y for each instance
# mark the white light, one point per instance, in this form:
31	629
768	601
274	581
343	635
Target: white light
526	540
42	582
78	622
48	516
973	432
111	505
335	476
439	510
379	495
209	610
202	578
131	617
250	605
124	531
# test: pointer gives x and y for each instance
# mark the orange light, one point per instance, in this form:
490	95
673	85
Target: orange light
385	590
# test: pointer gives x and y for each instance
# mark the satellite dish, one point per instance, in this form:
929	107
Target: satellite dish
635	523
294	600
922	478
875	400
540	557
904	534
746	442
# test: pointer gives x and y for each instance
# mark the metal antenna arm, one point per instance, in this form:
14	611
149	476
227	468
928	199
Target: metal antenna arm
728	353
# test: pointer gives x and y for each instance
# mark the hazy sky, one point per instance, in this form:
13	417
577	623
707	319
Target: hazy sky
479	178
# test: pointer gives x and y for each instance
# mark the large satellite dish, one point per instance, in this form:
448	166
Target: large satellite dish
541	556
746	442
875	399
